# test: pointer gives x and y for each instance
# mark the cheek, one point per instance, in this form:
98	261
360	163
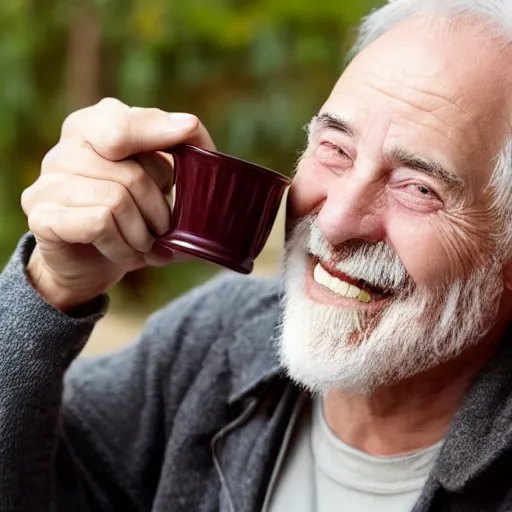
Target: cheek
436	248
309	189
466	239
416	245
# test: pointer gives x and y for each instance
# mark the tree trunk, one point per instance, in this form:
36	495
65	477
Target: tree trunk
83	57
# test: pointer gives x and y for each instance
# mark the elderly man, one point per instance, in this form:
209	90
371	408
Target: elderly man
375	375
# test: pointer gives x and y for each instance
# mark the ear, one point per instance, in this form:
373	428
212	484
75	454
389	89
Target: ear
507	276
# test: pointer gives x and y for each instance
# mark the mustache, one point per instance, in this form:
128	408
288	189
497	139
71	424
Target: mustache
374	263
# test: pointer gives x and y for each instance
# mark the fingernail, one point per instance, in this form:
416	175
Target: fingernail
181	121
160	255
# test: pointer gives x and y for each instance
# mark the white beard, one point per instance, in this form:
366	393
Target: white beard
325	347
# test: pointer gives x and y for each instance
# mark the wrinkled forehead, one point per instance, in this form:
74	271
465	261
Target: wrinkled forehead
451	82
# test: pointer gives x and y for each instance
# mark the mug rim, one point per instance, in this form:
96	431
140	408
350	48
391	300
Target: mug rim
220	155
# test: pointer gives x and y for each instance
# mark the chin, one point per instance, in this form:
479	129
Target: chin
317	346
326	344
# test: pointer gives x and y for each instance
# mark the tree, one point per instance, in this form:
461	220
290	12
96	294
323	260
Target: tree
254	71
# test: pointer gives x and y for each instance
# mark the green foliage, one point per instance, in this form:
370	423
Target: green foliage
254	71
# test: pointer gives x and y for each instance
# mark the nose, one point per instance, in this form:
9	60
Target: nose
354	209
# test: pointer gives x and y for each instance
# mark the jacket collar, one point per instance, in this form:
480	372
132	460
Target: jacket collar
480	432
253	356
482	429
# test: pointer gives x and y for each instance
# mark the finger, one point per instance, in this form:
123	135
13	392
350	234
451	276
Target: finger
161	254
158	258
143	183
54	223
116	131
76	191
160	167
120	202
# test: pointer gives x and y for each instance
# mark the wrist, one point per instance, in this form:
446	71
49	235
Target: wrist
60	297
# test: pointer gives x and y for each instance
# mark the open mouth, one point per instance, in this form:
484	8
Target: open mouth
345	286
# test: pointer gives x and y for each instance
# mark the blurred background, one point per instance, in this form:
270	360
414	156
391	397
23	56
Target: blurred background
254	71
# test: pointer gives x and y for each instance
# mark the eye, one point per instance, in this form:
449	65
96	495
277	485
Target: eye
341	152
331	147
424	191
417	197
416	192
333	156
419	191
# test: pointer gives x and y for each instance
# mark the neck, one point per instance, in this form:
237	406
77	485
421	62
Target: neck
410	415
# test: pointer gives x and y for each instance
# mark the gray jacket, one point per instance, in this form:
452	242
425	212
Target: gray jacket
192	416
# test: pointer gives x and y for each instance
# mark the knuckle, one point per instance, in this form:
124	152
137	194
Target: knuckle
72	122
38	220
38	193
50	159
26	197
110	103
194	124
137	178
107	130
68	123
136	112
33	223
118	198
100	222
114	138
47	186
139	113
196	121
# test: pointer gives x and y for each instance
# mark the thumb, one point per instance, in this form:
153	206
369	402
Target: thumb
130	131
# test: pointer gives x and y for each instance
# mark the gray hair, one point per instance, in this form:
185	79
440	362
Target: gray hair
497	15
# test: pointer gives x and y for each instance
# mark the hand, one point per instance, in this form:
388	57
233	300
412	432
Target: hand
101	198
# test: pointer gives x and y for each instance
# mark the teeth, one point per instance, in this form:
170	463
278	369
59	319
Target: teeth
364	297
353	292
339	287
342	287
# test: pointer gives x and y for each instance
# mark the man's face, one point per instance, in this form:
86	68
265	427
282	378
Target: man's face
393	245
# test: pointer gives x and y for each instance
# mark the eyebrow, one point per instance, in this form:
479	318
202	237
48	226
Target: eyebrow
428	167
329	120
397	155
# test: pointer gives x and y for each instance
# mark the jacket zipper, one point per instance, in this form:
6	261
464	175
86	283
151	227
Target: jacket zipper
219	436
282	451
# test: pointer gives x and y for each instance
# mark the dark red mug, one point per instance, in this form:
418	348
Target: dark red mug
224	207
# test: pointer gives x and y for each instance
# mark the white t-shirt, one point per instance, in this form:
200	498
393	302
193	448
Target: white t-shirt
321	473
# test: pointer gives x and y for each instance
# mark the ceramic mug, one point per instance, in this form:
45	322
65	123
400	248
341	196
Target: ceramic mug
224	207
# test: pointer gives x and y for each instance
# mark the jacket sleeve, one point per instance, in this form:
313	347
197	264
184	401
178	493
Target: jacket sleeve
87	436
